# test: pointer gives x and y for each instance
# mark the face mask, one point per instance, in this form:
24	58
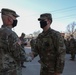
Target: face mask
14	23
43	23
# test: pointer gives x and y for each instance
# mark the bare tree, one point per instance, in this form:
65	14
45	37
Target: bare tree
71	28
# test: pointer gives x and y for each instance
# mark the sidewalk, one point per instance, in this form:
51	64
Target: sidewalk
70	66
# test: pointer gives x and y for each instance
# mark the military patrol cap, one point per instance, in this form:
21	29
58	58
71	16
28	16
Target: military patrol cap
6	11
23	34
45	16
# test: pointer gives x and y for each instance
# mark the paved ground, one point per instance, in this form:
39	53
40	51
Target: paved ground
33	68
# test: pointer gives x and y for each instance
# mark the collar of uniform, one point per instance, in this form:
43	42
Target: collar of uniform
46	31
4	26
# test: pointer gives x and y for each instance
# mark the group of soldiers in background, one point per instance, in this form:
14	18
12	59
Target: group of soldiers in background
70	43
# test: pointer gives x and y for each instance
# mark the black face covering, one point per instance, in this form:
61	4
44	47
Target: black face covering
14	23
43	23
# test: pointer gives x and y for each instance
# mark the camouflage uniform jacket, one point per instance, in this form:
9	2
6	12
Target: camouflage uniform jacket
32	43
10	51
23	41
51	50
72	43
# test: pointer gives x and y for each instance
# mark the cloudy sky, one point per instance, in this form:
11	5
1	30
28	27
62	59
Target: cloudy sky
63	13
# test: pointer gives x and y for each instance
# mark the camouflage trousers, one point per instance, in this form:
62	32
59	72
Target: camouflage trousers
72	54
45	71
17	71
42	73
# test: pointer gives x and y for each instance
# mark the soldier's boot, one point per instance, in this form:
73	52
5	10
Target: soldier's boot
22	65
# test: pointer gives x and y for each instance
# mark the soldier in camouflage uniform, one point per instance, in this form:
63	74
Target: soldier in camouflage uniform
50	48
23	44
32	43
72	47
10	48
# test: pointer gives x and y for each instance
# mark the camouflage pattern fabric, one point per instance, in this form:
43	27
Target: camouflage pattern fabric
10	52
23	42
32	43
72	48
51	49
